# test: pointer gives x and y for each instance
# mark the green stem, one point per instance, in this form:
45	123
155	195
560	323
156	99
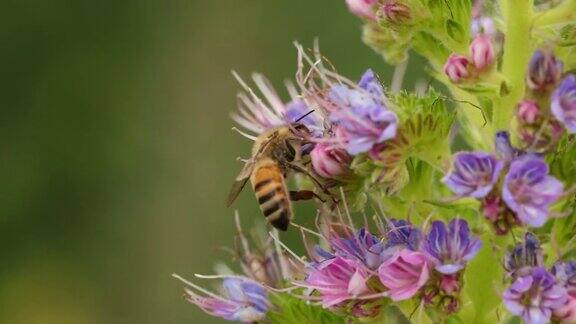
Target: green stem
517	17
563	13
473	118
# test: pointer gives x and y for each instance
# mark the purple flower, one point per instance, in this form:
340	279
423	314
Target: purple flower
529	191
563	103
244	301
535	296
544	71
504	147
404	274
474	174
565	273
524	257
450	248
362	247
338	280
402	234
361	117
330	162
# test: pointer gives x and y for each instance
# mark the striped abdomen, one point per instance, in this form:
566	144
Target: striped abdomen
268	183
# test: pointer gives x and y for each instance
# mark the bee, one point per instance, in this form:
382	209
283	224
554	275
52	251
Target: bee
275	153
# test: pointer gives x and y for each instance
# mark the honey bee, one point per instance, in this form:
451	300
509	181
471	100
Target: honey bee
275	153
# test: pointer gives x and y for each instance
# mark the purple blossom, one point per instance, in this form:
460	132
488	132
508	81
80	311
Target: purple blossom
565	273
363	8
401	234
504	147
361	117
457	67
244	301
482	52
337	280
535	296
362	247
483	25
529	191
544	71
474	174
524	257
450	248
563	103
404	274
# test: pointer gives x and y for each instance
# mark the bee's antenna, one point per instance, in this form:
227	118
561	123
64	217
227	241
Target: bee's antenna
304	116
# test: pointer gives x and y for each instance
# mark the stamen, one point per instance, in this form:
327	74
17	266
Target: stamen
208	293
276	239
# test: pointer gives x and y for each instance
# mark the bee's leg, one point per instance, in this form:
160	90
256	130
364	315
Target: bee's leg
304	195
318	183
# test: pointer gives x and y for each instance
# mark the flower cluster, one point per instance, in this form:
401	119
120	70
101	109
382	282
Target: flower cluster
374	151
550	103
481	57
515	188
535	293
401	263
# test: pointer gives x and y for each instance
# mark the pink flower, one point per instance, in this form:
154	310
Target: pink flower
329	162
395	12
404	274
456	68
482	52
362	8
338	280
528	112
567	312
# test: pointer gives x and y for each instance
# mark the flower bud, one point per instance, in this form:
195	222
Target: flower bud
456	68
329	162
362	8
404	274
394	12
528	112
450	284
544	71
482	52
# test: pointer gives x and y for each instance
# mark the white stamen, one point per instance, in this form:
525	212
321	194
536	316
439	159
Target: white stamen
244	134
200	289
276	239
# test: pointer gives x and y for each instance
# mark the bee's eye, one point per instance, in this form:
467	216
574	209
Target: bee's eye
291	151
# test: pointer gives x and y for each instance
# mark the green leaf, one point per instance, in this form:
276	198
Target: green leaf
483	281
454	30
291	310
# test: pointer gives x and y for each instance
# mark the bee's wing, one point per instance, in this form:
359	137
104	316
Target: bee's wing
240	182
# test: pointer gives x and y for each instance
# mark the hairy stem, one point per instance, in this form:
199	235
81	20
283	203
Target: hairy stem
517	17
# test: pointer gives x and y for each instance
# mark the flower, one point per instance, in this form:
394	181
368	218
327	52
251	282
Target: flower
329	162
362	8
450	248
401	234
535	296
244	301
404	274
361	116
482	52
504	147
257	115
362	247
529	191
565	273
563	104
474	174
337	280
456	67
524	257
544	71
528	112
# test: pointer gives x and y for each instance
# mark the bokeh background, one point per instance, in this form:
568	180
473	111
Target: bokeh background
116	152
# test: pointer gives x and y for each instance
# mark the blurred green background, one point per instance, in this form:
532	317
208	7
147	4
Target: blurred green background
116	149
